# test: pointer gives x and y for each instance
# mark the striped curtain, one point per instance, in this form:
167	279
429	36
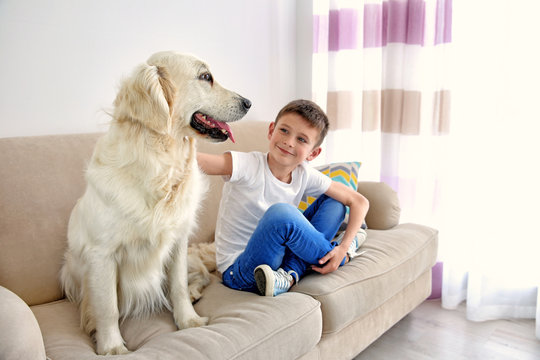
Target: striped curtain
380	70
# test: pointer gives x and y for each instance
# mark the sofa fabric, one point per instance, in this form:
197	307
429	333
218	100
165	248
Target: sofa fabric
242	326
395	257
370	326
20	335
384	207
334	316
42	178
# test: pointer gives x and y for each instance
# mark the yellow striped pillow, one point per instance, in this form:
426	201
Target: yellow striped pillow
344	172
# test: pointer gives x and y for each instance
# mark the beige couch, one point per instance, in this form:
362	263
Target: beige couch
334	316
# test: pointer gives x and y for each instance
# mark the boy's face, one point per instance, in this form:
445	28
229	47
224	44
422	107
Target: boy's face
293	140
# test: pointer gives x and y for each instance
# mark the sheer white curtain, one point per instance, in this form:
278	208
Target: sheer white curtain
384	70
491	241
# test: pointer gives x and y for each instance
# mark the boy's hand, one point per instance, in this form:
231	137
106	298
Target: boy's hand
331	261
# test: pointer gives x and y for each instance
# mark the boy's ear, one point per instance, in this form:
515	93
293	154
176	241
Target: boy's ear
314	153
271	129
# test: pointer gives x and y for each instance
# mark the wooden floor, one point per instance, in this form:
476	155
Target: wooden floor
431	332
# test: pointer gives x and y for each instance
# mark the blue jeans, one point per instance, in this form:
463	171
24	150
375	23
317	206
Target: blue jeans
285	238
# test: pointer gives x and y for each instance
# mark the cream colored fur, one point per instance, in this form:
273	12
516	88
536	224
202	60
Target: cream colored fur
128	234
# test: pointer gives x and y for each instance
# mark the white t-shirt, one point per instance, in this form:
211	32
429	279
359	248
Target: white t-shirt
249	192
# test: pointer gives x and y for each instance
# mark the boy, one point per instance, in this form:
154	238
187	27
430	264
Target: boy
263	242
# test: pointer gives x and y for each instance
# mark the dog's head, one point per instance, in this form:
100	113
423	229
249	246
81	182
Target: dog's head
176	94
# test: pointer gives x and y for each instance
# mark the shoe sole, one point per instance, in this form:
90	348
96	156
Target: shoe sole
263	272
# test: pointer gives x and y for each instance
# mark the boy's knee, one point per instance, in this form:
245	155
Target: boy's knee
335	205
282	210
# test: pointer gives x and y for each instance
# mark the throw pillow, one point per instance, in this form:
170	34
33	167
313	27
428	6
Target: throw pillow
343	172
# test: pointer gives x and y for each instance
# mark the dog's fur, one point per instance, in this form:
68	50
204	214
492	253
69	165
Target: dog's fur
128	235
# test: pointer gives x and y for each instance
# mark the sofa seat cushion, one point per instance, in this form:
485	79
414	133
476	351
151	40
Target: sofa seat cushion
242	326
394	258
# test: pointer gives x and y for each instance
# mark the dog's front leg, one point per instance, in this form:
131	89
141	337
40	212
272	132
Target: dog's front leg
102	292
184	313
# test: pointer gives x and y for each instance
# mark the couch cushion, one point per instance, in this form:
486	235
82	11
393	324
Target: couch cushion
384	210
42	177
371	326
394	258
20	337
242	326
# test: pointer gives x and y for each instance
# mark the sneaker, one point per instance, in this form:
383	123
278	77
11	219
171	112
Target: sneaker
272	283
358	240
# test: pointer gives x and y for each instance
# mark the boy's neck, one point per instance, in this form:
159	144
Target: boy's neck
280	172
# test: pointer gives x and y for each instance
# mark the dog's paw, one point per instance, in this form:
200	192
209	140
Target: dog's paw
115	350
193	322
110	343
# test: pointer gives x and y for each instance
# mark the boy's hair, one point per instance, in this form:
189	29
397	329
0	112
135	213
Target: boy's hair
311	112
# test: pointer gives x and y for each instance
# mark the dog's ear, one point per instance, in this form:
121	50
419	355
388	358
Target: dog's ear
147	97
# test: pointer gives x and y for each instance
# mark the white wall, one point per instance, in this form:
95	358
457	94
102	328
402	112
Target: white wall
61	61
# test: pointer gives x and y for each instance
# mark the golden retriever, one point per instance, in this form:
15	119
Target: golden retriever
128	234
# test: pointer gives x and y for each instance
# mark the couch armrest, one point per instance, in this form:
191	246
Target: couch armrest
20	336
384	210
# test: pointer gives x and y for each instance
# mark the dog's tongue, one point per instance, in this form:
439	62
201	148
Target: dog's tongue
213	123
226	127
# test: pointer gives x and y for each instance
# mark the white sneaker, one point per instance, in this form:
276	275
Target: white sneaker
358	240
272	283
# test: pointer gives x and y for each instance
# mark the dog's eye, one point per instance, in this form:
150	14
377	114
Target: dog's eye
207	77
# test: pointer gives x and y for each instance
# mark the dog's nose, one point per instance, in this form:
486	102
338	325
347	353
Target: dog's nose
246	103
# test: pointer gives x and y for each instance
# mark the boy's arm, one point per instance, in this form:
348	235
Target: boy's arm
212	164
358	207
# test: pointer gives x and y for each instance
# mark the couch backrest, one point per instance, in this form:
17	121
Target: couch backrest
41	179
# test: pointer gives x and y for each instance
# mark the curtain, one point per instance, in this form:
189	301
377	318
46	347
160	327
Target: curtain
378	69
383	71
491	256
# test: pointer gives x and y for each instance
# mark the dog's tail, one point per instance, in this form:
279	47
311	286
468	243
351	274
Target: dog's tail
202	261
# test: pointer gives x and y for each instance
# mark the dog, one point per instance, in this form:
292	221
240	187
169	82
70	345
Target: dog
127	252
